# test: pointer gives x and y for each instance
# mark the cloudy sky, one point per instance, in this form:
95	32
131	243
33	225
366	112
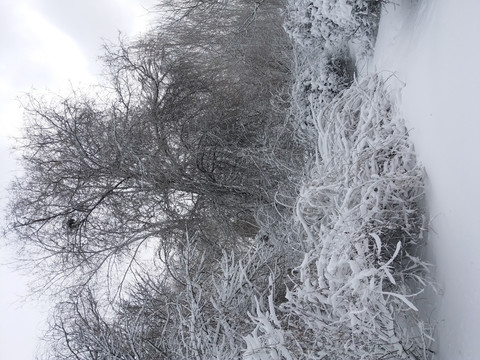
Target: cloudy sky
47	44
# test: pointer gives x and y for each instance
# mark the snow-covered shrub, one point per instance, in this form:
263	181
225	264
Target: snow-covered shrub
351	296
361	215
329	36
268	340
211	313
320	75
326	23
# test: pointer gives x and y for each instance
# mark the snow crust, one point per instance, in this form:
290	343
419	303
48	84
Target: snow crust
429	51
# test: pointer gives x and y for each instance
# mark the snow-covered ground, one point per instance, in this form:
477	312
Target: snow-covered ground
430	50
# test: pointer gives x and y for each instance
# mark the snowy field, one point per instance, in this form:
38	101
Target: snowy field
431	49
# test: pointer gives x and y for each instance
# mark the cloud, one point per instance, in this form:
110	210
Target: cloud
54	50
90	22
37	53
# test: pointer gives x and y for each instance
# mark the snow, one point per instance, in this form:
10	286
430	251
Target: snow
350	277
429	50
359	209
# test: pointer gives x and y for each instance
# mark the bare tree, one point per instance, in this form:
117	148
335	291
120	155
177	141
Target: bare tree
185	136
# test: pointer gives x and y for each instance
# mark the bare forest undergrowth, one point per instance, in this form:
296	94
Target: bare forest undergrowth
235	190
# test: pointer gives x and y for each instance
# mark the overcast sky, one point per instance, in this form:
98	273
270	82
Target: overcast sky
47	44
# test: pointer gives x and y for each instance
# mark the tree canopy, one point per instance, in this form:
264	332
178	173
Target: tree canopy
187	134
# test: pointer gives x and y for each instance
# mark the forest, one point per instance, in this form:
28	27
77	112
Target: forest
237	187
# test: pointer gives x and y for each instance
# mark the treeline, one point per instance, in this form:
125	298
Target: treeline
132	195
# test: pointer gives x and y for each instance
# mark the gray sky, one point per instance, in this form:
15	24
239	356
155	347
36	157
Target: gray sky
46	44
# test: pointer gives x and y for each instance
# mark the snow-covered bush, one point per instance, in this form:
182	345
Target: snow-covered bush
320	75
362	216
329	37
212	306
360	209
326	23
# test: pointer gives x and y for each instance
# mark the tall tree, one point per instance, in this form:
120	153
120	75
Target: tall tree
186	136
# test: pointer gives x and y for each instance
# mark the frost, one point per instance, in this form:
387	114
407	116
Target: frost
359	209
